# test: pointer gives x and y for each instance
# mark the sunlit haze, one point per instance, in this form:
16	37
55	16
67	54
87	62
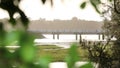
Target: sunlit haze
65	9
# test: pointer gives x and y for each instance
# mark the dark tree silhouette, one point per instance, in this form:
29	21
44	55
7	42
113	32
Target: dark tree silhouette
11	8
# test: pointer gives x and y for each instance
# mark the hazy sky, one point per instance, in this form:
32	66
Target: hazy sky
61	10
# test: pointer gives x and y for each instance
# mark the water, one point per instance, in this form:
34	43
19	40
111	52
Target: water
65	40
73	36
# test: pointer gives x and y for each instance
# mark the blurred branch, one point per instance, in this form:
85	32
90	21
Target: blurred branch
116	6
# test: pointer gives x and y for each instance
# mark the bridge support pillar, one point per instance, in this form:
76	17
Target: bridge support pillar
76	35
103	36
53	36
99	37
57	36
80	41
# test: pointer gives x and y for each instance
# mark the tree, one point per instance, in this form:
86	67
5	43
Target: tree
111	27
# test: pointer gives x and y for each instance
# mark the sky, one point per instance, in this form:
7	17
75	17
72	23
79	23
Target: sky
64	10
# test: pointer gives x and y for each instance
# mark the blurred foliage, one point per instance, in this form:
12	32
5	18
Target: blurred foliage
72	57
96	4
24	55
83	5
11	7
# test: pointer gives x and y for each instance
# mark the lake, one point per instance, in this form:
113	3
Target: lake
65	40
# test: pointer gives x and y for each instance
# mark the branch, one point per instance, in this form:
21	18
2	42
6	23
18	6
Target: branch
115	6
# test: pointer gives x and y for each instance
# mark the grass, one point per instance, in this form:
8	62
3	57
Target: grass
59	53
42	47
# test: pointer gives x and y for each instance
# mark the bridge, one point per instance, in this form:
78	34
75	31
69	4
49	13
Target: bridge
77	27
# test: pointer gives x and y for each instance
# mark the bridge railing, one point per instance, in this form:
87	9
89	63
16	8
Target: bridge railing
67	31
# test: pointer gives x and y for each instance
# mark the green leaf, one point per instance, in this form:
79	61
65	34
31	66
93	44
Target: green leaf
26	39
11	37
27	53
88	65
83	5
97	10
95	4
44	61
72	57
99	1
27	49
